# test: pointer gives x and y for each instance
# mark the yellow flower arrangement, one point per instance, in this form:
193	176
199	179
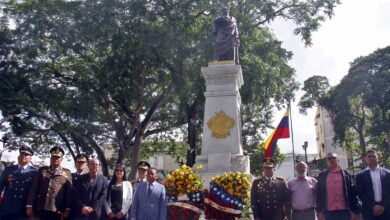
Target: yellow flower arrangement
235	184
183	181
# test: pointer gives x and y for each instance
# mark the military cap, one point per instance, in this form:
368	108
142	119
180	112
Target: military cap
57	151
82	158
269	162
143	165
26	149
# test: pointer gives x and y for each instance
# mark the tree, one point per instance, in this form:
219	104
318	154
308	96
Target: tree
361	101
315	88
104	74
258	156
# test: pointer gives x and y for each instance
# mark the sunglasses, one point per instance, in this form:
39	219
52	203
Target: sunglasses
119	170
331	158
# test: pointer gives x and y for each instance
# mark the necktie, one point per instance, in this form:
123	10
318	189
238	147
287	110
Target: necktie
150	188
268	182
21	169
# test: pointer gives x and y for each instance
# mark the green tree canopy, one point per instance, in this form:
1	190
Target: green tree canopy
97	75
361	102
315	88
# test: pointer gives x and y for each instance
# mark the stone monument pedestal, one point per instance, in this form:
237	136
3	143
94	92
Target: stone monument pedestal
222	138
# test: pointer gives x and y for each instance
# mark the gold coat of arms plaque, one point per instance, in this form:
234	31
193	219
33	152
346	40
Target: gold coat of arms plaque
220	125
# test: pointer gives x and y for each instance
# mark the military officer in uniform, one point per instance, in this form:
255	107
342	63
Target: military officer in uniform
142	170
50	195
269	195
81	161
16	181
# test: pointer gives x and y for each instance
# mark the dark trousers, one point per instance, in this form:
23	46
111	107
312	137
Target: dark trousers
308	214
48	215
369	216
19	216
337	215
88	218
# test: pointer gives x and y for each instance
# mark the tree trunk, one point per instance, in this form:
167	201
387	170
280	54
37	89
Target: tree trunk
362	143
99	151
68	146
135	157
191	121
121	156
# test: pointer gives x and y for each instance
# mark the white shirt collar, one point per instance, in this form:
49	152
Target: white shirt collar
24	167
376	168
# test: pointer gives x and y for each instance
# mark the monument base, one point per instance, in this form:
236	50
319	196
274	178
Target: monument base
218	163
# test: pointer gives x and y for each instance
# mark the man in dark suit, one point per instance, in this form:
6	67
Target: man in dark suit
149	199
91	191
373	188
50	195
16	181
270	197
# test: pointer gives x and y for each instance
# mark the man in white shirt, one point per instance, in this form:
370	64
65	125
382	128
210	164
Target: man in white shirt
373	188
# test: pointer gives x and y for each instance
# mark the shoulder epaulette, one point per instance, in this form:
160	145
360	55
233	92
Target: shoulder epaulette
43	167
66	169
257	179
280	179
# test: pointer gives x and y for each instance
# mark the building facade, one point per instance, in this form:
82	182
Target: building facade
324	137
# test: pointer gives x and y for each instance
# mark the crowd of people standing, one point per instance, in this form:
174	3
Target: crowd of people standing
333	195
53	192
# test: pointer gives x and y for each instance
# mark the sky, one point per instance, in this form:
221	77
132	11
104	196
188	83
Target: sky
358	28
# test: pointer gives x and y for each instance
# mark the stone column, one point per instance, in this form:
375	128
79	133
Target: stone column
222	138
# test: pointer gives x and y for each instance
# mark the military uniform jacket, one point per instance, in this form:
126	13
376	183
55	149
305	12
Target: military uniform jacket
270	198
135	183
75	179
51	190
16	184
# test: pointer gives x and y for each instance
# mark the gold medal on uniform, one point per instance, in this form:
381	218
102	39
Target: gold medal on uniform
10	180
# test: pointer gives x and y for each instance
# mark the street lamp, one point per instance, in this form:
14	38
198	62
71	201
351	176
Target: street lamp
304	146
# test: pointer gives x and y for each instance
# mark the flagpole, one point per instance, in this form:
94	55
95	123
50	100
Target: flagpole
292	136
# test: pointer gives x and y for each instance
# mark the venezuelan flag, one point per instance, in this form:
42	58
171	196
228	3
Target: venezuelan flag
282	131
